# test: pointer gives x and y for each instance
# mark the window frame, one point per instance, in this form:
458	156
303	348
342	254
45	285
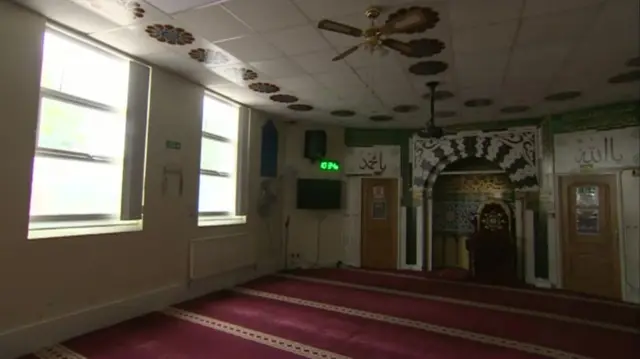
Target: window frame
56	225
215	218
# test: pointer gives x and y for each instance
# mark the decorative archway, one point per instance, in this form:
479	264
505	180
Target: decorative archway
513	151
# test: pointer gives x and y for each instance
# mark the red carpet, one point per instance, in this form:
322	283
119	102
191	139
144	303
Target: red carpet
535	300
571	337
276	317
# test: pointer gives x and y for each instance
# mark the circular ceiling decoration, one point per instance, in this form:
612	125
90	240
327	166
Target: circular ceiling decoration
479	102
283	98
380	118
300	107
264	87
405	108
343	113
431	18
626	77
563	96
439	95
169	34
634	62
425	68
198	54
425	47
514	109
445	114
248	75
138	11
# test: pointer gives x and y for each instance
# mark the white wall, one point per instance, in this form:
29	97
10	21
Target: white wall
303	232
84	282
587	152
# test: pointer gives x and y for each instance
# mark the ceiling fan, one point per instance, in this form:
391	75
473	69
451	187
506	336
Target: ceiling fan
375	37
431	130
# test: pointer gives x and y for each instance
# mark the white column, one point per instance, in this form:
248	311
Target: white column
529	238
430	234
519	215
419	235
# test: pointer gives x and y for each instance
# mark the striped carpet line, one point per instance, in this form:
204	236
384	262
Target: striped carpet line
303	350
58	352
458	333
468	303
507	289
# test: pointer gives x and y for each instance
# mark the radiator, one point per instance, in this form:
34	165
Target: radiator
215	255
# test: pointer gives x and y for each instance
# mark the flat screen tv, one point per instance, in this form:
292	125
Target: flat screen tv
319	194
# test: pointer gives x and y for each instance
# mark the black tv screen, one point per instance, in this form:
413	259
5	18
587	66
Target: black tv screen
319	194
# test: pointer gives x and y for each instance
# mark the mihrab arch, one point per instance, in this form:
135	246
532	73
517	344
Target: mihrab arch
513	151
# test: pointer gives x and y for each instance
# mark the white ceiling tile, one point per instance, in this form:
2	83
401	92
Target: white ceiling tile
214	23
561	28
133	40
481	69
531	64
250	48
299	82
241	94
364	58
539	7
121	13
72	15
298	40
325	9
482	38
267	15
338	79
278	68
173	6
470	13
320	62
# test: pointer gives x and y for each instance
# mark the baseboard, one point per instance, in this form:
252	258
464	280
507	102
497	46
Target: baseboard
413	267
31	337
542	283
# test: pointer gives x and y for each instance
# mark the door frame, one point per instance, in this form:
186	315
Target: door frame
353	247
559	230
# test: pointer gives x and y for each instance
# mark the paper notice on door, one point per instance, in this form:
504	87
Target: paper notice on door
378	192
379	209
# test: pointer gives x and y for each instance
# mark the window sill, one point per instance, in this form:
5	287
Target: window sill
45	231
221	221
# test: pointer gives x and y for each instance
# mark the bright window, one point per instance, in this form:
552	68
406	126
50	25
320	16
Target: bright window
79	169
218	159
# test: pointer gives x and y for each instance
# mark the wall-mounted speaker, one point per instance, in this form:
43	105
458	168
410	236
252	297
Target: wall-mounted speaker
269	150
315	144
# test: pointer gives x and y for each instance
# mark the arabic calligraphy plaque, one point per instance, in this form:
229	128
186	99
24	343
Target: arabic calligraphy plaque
379	209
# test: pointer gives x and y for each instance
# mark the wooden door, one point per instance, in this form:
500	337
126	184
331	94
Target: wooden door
379	229
590	257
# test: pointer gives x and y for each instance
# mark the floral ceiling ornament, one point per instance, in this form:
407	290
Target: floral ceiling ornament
170	35
431	16
264	87
198	54
248	75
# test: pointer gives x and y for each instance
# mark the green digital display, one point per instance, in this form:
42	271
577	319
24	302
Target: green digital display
329	166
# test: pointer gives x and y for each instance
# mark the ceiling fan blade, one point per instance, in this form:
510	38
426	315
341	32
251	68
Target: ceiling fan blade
329	25
346	53
400	46
407	21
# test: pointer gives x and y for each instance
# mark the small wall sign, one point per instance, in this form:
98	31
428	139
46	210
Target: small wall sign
173	145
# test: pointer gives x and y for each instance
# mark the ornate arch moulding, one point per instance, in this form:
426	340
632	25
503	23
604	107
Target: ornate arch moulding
512	150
